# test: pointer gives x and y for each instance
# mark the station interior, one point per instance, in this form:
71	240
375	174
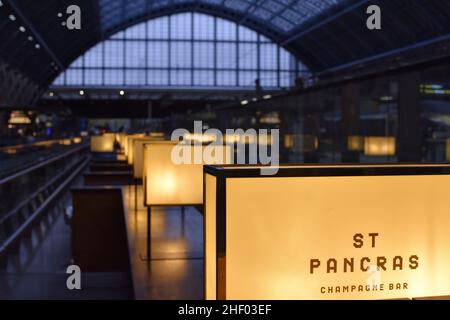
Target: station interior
95	95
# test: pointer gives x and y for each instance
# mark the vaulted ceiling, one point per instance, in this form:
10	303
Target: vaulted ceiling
324	34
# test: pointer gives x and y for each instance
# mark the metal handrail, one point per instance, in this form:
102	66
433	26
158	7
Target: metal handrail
28	223
42	164
32	196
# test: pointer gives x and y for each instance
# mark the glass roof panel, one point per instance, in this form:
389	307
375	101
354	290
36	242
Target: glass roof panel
281	15
167	52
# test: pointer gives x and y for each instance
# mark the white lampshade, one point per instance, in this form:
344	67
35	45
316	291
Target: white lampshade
319	232
168	183
103	143
136	157
127	142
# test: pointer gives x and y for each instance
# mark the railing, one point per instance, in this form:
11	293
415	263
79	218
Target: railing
21	207
15	158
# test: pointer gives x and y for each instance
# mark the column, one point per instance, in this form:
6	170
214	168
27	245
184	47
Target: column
409	137
350	110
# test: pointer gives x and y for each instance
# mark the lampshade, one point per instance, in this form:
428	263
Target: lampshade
168	183
289	141
128	141
136	158
130	148
65	142
103	143
119	138
379	146
355	143
327	232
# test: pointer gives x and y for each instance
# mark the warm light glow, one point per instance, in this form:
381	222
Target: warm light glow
379	146
103	143
355	143
120	138
265	139
237	138
448	149
275	226
137	158
77	140
271	118
127	147
232	138
289	141
210	237
202	138
305	143
65	142
168	183
157	134
19	117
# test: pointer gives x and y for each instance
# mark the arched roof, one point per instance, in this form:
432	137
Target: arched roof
323	34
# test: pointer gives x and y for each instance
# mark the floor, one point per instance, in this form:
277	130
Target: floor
38	269
176	267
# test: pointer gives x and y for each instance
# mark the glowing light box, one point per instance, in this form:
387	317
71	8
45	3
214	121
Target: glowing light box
169	183
355	143
103	143
120	137
127	143
131	153
379	146
327	232
136	157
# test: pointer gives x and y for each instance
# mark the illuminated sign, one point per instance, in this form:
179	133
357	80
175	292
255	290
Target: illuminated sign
327	232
